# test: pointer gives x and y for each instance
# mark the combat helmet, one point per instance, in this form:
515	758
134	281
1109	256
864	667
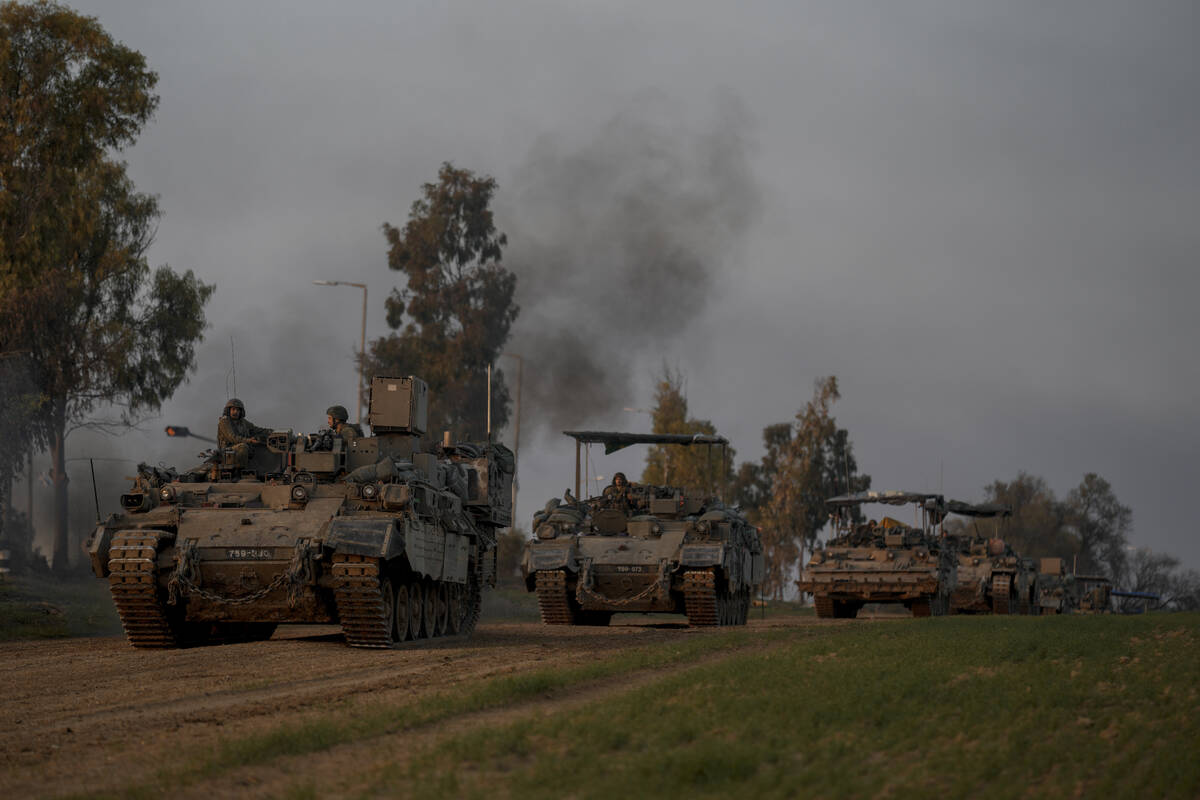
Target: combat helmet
339	413
233	402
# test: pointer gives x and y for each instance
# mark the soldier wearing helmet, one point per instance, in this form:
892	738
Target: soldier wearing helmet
617	494
337	416
236	432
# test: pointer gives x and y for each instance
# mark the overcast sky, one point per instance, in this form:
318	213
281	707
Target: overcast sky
982	217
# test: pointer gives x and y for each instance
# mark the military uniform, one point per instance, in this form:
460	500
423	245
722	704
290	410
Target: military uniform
347	430
337	421
618	496
240	434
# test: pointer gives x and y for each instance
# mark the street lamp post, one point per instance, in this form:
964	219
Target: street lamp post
362	357
516	431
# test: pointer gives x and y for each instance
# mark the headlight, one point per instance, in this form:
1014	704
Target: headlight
167	494
370	491
299	493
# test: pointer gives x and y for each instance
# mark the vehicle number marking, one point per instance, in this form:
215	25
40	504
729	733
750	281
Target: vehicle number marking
249	554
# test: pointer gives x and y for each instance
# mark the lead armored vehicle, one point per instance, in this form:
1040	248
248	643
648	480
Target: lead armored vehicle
885	561
991	576
392	540
642	549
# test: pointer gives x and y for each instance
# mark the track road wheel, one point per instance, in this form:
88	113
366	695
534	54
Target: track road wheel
430	608
401	613
454	608
416	610
441	608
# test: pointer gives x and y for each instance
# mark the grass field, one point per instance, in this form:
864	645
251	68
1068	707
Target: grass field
44	607
1068	706
985	706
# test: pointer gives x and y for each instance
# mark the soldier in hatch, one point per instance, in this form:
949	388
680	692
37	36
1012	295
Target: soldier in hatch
237	432
616	494
337	416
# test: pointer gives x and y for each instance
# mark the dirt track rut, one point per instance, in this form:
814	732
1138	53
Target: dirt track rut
86	715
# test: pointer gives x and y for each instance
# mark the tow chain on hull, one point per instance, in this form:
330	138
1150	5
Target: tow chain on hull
133	582
553	600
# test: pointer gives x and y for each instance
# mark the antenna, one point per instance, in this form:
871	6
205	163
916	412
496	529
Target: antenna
95	494
489	403
232	374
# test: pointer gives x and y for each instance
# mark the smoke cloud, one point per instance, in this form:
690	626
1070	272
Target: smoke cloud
616	241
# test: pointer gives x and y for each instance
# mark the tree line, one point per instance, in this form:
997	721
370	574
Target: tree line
87	326
811	458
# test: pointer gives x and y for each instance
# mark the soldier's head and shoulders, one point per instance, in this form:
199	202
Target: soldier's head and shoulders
338	419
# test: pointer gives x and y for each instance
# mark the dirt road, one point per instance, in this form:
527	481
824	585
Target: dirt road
87	715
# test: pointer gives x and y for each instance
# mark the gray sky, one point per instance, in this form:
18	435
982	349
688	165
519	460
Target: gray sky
980	216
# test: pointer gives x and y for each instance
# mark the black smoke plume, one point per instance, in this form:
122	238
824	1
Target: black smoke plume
616	241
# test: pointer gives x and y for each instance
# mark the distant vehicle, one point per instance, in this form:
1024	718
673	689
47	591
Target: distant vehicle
1095	594
882	562
392	541
991	576
642	548
1056	589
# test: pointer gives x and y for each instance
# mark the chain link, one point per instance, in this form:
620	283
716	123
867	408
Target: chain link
183	581
657	589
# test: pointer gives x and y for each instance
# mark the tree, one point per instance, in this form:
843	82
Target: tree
1100	523
68	94
76	293
18	401
697	468
753	488
815	462
452	318
1038	526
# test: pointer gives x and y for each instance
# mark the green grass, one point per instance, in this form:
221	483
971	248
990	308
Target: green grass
997	707
44	607
357	722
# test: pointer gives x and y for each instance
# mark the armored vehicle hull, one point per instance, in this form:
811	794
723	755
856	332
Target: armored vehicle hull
888	562
660	549
992	584
1055	593
390	543
1095	594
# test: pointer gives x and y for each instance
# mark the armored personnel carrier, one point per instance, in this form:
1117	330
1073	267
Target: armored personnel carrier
991	576
882	562
1056	592
642	549
1095	594
390	540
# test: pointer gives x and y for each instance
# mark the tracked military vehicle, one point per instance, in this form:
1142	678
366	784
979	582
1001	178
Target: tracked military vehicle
389	539
1057	592
991	576
1095	594
642	549
882	562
